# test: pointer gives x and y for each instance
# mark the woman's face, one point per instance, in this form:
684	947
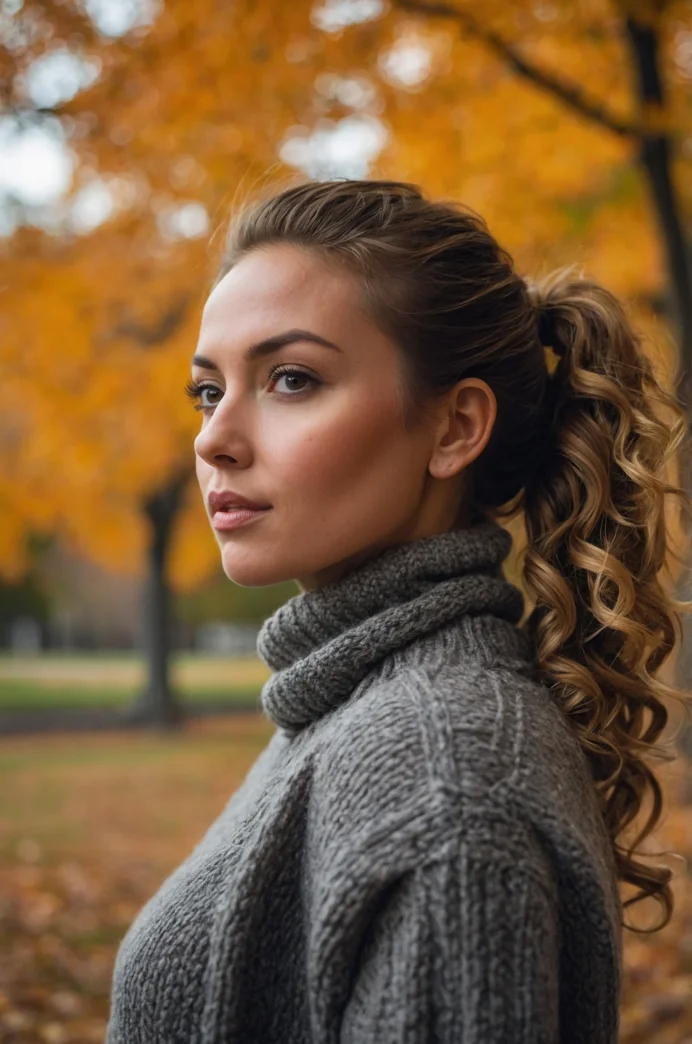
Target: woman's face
314	432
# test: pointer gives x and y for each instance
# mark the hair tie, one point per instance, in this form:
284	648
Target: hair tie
546	330
546	326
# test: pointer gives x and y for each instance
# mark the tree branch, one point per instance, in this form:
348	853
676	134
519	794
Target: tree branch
569	93
160	331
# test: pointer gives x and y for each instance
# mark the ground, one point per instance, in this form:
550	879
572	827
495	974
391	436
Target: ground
90	825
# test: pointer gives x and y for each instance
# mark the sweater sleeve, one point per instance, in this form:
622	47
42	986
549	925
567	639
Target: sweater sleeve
462	950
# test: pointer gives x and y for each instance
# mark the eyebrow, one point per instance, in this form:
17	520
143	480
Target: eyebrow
269	345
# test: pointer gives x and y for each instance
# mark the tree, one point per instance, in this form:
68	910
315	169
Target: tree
190	109
654	123
643	24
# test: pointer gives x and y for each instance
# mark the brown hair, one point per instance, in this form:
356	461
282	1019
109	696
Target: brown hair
579	450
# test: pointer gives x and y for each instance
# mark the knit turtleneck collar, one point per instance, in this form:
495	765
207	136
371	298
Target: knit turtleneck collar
322	643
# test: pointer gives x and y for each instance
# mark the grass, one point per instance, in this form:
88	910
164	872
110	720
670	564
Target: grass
53	681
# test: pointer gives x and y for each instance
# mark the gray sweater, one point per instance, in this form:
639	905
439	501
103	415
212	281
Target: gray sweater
417	854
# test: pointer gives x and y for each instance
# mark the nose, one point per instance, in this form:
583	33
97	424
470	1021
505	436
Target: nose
222	439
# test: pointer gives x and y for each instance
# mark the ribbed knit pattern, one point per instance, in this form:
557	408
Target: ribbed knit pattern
417	855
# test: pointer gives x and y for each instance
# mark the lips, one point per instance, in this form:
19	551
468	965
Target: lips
229	500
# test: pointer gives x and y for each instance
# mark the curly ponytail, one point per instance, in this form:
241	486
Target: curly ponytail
580	451
597	542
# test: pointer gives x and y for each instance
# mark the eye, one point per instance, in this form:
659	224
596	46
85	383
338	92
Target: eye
200	391
197	391
291	374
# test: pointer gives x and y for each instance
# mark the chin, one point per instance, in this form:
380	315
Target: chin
252	568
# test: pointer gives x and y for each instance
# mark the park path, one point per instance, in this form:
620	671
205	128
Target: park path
59	671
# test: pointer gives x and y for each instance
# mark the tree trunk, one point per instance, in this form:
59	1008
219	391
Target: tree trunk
655	159
157	704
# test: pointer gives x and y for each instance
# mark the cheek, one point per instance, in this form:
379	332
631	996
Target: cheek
355	449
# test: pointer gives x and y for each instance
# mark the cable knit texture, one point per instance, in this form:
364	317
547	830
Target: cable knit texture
417	854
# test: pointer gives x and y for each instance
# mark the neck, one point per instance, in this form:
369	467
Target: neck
420	529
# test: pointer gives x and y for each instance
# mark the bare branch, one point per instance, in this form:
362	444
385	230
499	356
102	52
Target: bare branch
570	94
158	333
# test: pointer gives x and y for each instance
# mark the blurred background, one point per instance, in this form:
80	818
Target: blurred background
129	132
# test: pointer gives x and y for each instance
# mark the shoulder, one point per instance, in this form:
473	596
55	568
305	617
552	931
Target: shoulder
448	724
427	749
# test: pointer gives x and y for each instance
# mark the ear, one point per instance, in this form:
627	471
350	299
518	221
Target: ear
466	423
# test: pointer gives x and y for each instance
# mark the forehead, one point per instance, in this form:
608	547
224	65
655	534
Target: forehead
279	285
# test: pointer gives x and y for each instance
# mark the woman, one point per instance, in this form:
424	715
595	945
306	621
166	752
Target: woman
427	849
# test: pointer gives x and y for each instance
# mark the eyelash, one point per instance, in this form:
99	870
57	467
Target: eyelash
194	390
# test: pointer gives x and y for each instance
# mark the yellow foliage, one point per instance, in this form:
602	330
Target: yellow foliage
97	330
